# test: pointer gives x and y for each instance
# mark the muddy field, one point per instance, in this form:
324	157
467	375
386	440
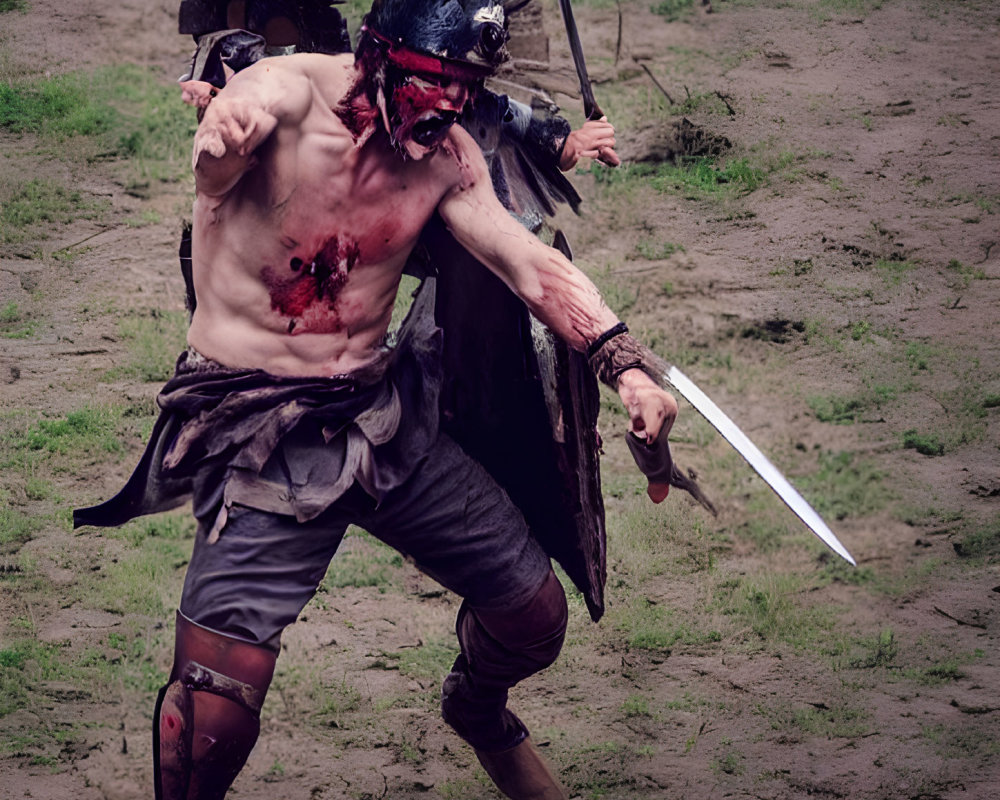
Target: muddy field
829	272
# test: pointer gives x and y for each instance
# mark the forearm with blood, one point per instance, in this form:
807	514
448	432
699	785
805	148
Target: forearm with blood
568	302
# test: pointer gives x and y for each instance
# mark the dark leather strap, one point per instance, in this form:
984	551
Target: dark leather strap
200	678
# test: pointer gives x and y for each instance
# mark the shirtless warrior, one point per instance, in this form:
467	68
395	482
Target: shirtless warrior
289	418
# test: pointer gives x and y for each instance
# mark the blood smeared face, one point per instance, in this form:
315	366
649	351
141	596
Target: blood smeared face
421	110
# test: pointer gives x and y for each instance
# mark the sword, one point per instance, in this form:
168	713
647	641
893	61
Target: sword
695	396
756	459
590	107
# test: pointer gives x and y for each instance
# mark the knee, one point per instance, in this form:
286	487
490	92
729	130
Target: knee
536	629
545	619
207	717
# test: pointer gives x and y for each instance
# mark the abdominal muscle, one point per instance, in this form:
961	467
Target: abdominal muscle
316	309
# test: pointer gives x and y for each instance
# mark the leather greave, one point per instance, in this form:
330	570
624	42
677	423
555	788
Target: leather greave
207	717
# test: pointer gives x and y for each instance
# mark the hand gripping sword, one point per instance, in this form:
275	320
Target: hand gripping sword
686	387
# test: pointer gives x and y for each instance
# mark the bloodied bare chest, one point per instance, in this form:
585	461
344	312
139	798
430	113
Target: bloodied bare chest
338	254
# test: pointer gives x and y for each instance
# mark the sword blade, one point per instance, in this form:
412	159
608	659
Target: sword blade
756	459
590	107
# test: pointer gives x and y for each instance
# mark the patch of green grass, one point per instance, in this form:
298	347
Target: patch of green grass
143	580
365	562
430	660
834	722
27	666
920	515
893	271
457	789
89	430
731	762
963	275
635	705
927	444
16	527
877	651
771	609
654	250
861	331
59	106
13	5
843	410
763	532
694	178
653	627
702	177
935	675
133	660
38	488
27	206
646	540
115	112
154	340
174	527
23	664
689	703
275	771
980	543
10	313
335	699
148	217
845	486
838	410
672	10
836	570
919	356
327	702
962	742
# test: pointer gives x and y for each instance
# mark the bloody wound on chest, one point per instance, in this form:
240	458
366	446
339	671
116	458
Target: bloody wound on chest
309	287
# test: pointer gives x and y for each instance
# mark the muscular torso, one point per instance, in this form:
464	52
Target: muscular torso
296	267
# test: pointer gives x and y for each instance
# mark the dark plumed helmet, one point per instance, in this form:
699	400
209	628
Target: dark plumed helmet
460	38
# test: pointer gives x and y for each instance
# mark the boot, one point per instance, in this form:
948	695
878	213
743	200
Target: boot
522	774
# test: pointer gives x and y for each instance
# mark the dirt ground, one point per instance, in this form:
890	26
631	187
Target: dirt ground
868	257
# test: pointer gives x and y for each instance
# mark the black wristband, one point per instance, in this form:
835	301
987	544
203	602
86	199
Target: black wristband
605	337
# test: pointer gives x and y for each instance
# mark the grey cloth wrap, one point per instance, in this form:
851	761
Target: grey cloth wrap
654	459
220	425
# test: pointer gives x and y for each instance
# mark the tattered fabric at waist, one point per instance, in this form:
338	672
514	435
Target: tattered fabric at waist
290	445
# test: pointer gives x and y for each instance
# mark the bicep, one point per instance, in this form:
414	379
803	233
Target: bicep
556	291
483	226
243	115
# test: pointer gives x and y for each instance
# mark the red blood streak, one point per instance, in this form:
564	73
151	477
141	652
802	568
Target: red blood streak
306	291
418	98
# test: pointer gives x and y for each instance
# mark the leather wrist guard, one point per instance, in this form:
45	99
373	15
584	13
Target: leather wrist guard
615	351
